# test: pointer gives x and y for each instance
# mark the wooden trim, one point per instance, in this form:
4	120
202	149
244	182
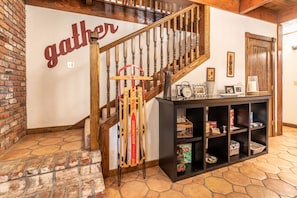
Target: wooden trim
80	124
149	164
279	81
290	125
259	37
48	129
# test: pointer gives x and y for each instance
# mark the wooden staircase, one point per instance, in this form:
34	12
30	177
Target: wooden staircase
178	42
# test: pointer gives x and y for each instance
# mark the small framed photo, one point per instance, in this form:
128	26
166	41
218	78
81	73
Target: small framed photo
229	89
210	74
238	89
178	90
230	64
199	90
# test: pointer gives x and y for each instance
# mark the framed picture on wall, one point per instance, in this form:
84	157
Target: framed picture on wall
210	74
230	64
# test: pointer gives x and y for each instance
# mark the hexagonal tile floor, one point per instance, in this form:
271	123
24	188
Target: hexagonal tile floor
273	175
45	143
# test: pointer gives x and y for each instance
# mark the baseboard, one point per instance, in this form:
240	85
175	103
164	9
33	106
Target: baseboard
78	125
153	163
47	129
290	125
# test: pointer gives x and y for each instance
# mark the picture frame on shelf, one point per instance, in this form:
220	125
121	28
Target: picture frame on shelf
199	90
178	89
210	74
238	89
229	89
230	64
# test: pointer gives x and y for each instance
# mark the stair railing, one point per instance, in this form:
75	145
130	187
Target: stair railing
178	42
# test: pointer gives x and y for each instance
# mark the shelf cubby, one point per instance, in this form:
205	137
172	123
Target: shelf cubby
243	140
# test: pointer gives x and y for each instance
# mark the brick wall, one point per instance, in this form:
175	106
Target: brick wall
12	73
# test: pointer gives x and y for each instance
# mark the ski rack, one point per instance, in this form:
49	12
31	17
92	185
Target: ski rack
131	107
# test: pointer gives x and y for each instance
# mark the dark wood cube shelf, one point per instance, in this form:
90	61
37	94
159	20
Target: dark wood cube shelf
241	119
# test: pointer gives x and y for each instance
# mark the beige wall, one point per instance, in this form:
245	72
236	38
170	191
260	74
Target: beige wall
289	73
60	96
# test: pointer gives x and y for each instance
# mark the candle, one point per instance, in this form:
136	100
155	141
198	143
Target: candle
252	86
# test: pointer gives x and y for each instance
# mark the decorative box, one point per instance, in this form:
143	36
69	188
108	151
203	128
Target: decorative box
183	156
209	125
184	129
234	147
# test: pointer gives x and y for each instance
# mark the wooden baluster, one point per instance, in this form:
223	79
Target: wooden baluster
152	5
162	53
133	50
146	4
125	60
187	47
165	8
181	54
108	83
155	57
117	68
197	18
168	44
174	45
191	36
140	50
148	57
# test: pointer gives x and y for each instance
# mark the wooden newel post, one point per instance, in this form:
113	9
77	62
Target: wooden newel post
94	92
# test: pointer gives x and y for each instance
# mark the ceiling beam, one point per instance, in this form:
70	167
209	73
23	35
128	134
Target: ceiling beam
229	5
287	14
249	5
263	14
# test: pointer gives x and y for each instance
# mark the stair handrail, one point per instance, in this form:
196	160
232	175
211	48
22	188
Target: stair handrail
153	25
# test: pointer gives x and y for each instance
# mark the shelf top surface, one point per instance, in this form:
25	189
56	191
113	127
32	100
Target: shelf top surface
216	99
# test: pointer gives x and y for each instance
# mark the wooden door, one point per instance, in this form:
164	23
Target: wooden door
260	62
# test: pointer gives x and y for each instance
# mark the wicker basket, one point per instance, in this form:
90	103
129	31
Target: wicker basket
256	147
184	129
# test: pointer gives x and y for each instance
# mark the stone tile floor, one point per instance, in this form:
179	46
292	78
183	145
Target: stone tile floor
268	176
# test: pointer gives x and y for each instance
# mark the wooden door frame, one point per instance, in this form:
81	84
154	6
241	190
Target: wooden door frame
279	73
279	84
